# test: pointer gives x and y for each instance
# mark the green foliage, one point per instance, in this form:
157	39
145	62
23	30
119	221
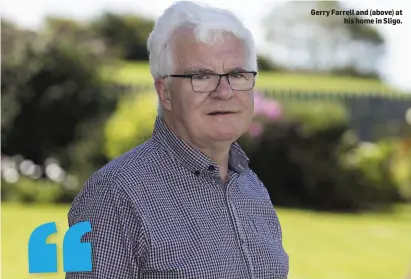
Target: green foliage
372	162
351	71
265	64
131	124
69	30
301	158
32	191
401	168
51	91
385	164
125	35
14	45
316	116
110	35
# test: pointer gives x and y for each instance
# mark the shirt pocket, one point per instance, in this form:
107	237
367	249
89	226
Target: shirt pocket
261	230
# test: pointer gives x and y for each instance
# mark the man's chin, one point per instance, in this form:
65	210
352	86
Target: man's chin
225	136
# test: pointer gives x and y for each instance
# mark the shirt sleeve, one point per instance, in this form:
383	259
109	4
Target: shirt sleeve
116	237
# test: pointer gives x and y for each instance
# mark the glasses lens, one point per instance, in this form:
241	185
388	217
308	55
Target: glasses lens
204	82
241	81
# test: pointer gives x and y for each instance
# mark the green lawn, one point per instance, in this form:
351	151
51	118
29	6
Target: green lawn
320	245
139	73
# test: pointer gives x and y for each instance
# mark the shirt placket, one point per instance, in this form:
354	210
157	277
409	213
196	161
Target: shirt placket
235	220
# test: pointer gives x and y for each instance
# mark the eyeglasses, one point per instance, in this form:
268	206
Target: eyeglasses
204	83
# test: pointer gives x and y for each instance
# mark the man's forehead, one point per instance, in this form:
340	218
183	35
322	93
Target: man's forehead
198	65
193	56
194	60
185	40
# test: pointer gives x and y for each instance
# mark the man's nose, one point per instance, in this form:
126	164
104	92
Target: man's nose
223	90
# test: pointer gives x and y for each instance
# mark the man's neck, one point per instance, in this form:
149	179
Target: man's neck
219	153
221	157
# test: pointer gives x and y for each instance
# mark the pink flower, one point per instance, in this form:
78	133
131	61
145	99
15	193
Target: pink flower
255	129
266	107
258	103
272	110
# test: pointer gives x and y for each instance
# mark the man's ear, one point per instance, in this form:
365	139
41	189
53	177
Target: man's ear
163	93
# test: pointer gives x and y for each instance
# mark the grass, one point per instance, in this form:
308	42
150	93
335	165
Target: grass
139	73
320	245
17	223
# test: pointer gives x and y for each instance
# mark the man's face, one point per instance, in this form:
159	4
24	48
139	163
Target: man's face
192	112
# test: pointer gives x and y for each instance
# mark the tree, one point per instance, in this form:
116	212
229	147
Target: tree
265	64
126	35
16	45
303	41
53	97
67	30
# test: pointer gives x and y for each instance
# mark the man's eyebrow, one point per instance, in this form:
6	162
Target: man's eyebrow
201	70
198	70
238	70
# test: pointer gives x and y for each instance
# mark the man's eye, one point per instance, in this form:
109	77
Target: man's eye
237	76
201	77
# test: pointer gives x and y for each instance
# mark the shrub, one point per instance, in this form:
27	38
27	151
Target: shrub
301	158
386	165
371	161
401	169
25	181
32	191
124	35
54	98
266	64
131	124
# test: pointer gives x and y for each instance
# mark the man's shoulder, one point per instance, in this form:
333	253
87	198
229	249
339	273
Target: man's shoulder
132	163
255	183
124	173
254	178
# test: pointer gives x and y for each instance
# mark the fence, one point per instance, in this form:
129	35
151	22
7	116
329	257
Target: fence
372	116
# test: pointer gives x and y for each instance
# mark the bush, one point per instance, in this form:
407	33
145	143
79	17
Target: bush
385	164
401	170
131	124
25	181
265	64
301	158
32	191
124	35
371	162
53	99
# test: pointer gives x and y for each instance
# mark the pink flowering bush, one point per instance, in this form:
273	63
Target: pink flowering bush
265	110
298	150
265	107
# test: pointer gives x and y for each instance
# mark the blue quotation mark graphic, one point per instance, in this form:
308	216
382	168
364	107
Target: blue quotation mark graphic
76	254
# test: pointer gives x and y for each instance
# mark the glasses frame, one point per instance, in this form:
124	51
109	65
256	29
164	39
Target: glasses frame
190	76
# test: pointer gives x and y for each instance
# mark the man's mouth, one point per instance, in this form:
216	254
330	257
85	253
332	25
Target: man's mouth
217	113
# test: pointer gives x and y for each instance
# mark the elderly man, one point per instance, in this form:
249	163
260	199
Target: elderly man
185	204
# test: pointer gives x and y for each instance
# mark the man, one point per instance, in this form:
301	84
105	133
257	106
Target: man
185	204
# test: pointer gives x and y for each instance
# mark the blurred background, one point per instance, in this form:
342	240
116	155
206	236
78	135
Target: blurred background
331	137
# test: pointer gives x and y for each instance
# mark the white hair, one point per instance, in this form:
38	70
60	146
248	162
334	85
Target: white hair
208	24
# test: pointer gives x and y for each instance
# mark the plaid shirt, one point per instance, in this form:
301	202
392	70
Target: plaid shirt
161	211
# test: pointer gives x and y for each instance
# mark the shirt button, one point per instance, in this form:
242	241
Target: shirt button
211	168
